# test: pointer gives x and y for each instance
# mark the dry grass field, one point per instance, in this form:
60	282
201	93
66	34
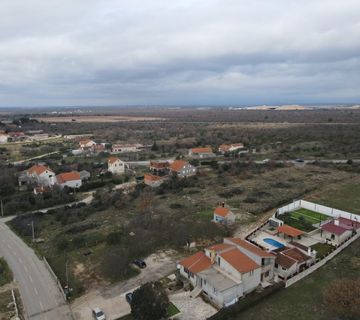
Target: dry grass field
96	119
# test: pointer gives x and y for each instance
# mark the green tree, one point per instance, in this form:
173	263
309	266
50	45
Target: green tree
149	302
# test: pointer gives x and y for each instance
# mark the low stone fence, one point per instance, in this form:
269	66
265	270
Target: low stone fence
319	264
47	265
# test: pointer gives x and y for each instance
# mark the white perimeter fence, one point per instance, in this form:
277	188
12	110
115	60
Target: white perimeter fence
335	213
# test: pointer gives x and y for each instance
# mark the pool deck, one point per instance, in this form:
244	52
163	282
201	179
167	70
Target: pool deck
261	235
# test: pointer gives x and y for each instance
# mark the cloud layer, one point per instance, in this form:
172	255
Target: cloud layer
188	52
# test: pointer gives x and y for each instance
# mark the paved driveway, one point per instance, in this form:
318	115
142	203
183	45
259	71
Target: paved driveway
112	299
191	308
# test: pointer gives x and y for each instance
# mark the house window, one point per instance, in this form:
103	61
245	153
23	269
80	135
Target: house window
251	273
219	261
215	291
332	237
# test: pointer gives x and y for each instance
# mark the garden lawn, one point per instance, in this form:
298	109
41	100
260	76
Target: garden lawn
312	216
172	310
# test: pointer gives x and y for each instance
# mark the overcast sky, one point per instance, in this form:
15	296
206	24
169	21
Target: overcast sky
185	52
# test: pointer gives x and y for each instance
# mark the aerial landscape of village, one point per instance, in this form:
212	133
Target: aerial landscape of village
190	160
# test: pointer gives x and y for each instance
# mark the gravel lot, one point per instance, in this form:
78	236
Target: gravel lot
112	299
191	308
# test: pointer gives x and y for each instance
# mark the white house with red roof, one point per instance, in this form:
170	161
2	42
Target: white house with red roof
230	147
290	261
69	179
116	166
41	175
339	230
201	153
265	259
224	215
227	271
86	144
182	168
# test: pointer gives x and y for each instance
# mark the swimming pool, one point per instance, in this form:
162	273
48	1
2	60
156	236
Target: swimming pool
274	243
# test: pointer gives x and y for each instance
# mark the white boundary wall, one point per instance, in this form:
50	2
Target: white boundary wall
47	265
335	213
319	264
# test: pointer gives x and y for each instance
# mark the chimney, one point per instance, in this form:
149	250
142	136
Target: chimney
336	222
212	256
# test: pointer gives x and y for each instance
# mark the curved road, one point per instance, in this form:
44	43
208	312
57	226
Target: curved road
39	293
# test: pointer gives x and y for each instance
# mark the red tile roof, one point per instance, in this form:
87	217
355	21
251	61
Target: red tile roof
222	211
112	160
85	141
336	229
151	177
201	150
239	260
290	231
251	247
220	247
37	169
296	254
177	165
348	222
159	164
284	260
68	176
196	263
226	147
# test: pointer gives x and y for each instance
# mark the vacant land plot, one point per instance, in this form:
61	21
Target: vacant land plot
343	195
96	119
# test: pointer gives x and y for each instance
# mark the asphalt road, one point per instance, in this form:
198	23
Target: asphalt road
39	293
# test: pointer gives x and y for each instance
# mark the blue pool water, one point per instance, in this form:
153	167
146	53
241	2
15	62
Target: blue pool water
274	243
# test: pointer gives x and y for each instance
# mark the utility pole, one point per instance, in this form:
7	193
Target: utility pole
33	230
67	275
2	208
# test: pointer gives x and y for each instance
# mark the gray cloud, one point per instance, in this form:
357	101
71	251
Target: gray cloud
179	52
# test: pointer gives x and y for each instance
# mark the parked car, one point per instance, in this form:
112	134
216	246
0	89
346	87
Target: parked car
129	297
140	263
299	160
98	314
